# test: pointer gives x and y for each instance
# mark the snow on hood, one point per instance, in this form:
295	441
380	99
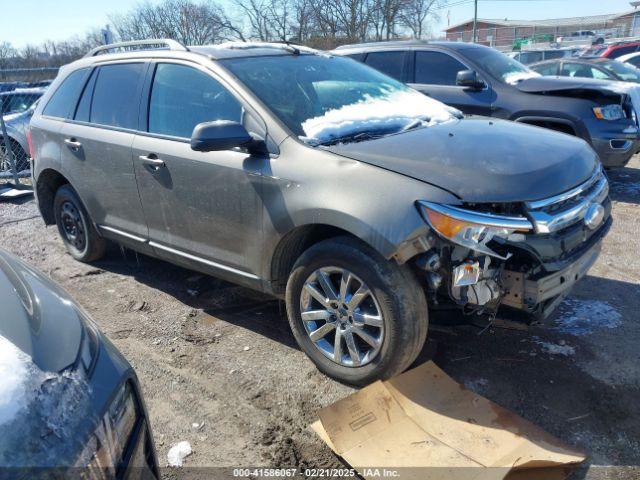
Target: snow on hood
15	370
41	412
516	77
395	111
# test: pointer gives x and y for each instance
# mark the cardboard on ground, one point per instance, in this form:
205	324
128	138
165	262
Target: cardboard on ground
428	426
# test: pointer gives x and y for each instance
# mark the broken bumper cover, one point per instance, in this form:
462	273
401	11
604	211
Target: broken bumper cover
543	295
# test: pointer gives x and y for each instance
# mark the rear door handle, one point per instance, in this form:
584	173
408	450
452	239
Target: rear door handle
152	160
72	143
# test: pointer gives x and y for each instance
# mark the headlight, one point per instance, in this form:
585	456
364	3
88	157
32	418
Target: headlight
609	112
473	230
105	448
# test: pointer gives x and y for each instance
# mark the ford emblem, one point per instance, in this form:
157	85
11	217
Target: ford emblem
594	216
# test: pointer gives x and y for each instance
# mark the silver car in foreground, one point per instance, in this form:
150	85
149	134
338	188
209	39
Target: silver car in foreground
319	180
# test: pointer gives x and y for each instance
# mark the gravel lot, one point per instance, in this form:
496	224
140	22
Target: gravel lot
222	357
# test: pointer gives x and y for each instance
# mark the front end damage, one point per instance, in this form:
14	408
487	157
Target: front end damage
526	255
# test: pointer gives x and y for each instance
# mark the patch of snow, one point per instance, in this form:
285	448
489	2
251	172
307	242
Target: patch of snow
556	349
15	367
40	412
476	384
394	111
581	317
516	77
178	452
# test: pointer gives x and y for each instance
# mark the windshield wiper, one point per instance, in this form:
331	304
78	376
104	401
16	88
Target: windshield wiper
353	137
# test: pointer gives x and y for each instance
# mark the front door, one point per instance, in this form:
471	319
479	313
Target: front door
435	75
203	209
96	150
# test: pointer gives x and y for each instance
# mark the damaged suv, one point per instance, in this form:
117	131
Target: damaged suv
321	181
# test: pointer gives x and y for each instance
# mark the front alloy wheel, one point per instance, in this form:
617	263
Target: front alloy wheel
342	316
358	316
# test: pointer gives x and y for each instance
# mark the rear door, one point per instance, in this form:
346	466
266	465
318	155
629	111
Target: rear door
96	150
203	209
434	74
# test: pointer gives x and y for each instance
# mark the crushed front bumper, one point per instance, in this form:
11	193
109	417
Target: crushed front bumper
543	295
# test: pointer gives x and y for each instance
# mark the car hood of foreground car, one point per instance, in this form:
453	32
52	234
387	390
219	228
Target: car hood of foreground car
38	317
482	160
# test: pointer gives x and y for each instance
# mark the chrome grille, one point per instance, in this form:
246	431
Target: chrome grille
558	212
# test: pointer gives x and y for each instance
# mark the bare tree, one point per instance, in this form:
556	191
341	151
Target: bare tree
415	13
7	54
184	20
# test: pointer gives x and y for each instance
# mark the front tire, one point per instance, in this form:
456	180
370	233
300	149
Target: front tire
358	316
80	237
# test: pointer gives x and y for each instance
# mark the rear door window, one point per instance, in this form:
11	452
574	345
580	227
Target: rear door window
550	55
63	101
390	63
115	95
437	68
182	97
546	69
582	70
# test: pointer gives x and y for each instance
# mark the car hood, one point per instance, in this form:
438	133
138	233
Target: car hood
540	84
37	317
482	160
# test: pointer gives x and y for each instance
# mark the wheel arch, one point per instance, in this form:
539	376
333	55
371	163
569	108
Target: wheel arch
47	184
562	125
299	239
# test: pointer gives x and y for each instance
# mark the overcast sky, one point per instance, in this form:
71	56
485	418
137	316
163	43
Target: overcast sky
34	21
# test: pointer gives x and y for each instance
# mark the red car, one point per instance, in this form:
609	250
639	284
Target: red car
613	50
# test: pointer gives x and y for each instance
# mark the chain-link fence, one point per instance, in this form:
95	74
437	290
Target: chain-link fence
19	93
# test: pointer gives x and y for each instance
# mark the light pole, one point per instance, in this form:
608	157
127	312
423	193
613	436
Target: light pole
475	21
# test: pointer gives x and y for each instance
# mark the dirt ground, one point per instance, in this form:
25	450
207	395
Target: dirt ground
220	368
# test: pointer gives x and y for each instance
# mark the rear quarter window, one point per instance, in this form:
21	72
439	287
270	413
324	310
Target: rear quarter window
63	101
115	95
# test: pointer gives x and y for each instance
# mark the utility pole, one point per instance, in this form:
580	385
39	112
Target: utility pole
475	22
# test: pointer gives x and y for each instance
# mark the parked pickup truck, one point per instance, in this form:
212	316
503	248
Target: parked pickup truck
321	181
482	81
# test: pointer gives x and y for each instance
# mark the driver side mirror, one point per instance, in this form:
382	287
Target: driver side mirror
469	79
219	135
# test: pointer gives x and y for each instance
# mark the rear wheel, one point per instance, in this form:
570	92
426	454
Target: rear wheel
79	235
357	316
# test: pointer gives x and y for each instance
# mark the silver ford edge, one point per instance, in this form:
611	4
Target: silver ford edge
319	180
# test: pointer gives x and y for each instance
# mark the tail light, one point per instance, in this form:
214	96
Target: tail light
29	142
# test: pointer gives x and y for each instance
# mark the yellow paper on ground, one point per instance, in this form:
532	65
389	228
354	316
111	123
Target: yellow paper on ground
425	425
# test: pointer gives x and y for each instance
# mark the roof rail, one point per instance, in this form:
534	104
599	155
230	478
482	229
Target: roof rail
155	43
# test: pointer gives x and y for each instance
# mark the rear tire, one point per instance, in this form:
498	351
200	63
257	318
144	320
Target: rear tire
80	237
379	333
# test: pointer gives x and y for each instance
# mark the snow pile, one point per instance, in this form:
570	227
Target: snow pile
394	111
516	77
15	366
178	452
556	349
580	317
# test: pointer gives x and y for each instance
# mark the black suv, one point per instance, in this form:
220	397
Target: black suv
482	81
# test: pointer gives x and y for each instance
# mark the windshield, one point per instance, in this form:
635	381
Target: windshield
623	71
502	67
325	99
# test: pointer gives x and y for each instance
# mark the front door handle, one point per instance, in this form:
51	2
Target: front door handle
72	143
152	160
